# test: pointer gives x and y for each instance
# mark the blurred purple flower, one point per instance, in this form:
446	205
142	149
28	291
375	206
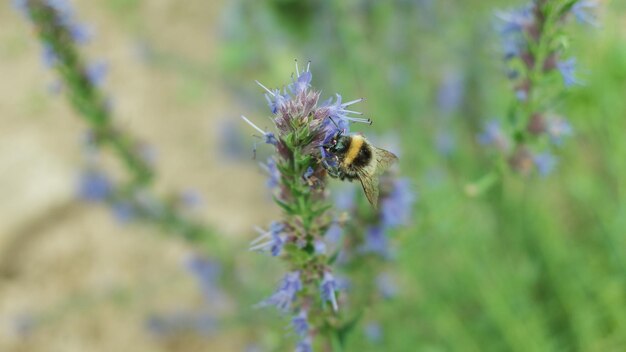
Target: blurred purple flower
123	211
48	56
344	198
21	6
328	288
206	272
286	293
451	91
567	69
96	73
559	128
494	135
397	207
191	198
94	186
308	173
373	331
320	247
512	27
584	11
445	143
334	232
545	163
300	323
376	241
274	174
386	285
305	345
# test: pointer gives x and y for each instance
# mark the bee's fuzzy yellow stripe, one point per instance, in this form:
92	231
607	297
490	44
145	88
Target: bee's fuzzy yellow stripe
353	150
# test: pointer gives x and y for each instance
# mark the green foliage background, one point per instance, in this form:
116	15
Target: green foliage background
534	264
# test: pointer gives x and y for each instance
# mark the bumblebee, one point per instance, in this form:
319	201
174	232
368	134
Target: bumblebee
353	157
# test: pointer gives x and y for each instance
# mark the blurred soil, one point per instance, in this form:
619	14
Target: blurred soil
92	280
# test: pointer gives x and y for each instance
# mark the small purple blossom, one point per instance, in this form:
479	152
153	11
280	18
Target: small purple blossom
451	91
376	241
445	143
274	174
269	137
206	272
373	331
123	211
275	99
94	186
21	6
338	112
305	345
191	198
567	69
515	21
328	288
558	128
396	208
96	73
512	27
584	11
334	232
320	247
302	81
300	323
494	135
81	34
545	163
308	173
272	240
48	56
344	198
386	285
286	293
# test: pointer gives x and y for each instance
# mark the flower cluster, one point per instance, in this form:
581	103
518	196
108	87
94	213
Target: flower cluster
309	291
533	38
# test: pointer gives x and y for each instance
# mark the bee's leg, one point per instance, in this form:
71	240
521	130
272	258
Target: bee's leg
333	172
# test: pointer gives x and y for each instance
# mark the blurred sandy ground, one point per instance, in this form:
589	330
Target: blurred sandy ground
68	261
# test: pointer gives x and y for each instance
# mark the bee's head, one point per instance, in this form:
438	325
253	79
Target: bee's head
339	143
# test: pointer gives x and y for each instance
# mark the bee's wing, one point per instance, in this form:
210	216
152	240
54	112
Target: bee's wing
369	175
369	181
384	160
